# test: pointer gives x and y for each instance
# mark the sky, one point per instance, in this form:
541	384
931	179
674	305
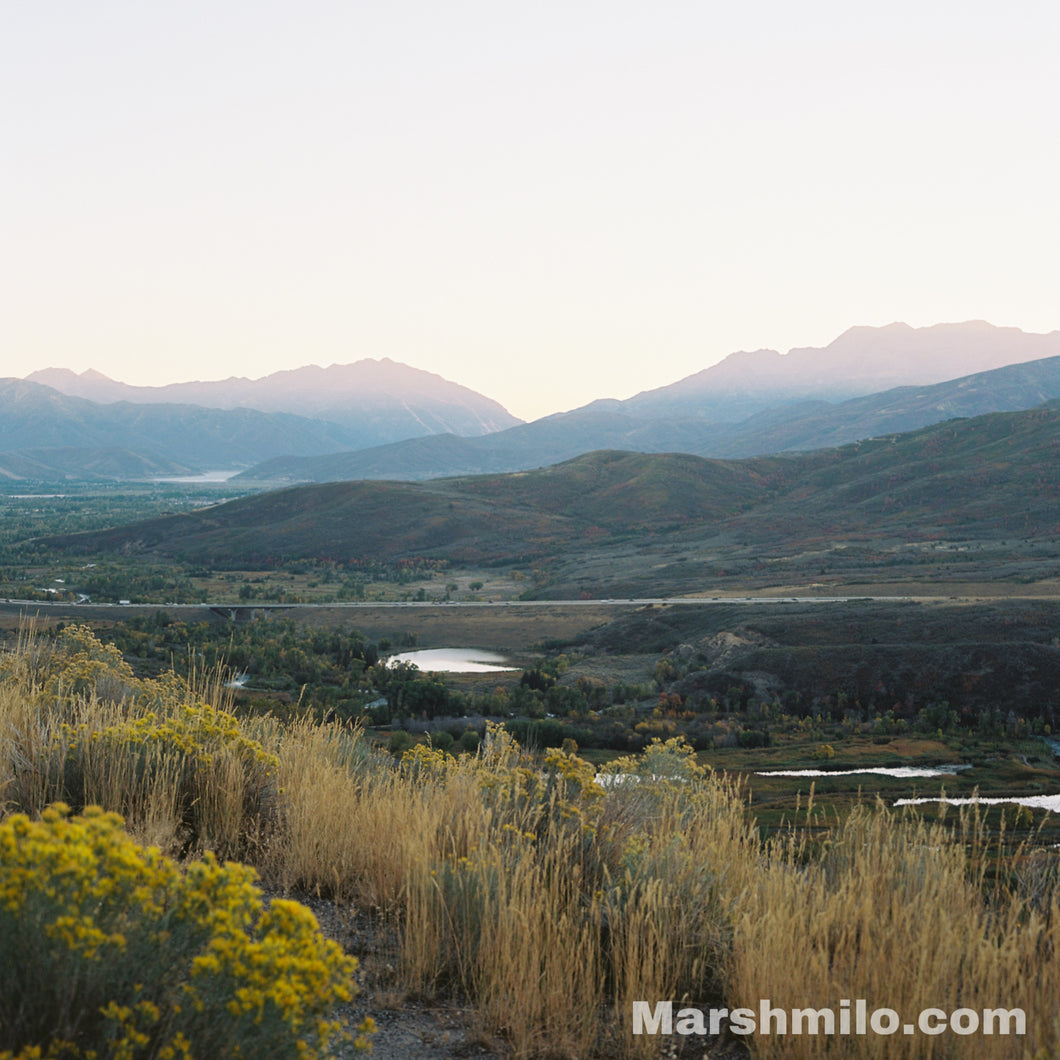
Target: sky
547	202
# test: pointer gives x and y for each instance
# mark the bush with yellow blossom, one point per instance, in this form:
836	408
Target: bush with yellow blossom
112	950
184	772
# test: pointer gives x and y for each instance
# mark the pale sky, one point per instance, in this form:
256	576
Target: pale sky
548	202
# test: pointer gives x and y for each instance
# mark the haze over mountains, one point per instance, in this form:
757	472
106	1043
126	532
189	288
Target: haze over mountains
380	419
792	427
863	360
374	401
164	439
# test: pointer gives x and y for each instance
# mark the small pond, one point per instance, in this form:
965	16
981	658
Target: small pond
1041	802
455	660
905	772
196	480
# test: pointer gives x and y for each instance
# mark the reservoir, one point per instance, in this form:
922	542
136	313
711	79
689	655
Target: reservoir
199	480
455	660
1041	802
909	772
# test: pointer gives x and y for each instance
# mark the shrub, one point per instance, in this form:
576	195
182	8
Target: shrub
442	740
611	895
400	741
123	955
79	728
187	775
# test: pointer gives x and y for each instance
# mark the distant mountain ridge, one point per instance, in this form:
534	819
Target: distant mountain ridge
58	425
863	360
374	401
382	419
71	435
795	427
105	463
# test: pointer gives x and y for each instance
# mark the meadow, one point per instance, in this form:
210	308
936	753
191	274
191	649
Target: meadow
512	878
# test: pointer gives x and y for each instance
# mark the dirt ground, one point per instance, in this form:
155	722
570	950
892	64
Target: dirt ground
411	1028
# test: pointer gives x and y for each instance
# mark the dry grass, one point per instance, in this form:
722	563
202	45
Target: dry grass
167	755
553	904
892	914
345	822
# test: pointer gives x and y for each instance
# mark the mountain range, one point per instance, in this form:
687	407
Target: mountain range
863	360
373	401
68	435
57	425
793	427
381	419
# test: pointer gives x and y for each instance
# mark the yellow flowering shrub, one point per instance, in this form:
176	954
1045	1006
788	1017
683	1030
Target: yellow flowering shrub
194	765
663	763
123	955
423	761
76	665
540	797
183	772
535	829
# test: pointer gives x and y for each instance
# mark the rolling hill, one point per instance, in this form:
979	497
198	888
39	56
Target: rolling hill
622	522
478	519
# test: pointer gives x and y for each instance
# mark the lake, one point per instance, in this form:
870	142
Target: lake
906	772
1040	802
199	480
455	660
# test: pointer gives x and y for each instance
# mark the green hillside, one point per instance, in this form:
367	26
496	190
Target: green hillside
990	479
636	491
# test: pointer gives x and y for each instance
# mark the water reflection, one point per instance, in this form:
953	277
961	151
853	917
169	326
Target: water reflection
455	660
1041	802
905	772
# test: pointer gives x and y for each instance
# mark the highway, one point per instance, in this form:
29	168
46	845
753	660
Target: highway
355	605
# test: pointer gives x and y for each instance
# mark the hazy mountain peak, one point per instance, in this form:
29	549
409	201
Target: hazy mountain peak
862	360
52	376
375	401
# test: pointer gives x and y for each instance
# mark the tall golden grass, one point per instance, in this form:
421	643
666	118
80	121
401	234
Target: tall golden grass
551	902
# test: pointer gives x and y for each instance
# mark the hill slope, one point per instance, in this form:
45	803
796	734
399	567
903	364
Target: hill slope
620	520
478	519
863	360
818	424
107	464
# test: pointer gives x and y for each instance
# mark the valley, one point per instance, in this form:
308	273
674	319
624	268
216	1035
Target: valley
960	508
530	532
901	588
762	655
